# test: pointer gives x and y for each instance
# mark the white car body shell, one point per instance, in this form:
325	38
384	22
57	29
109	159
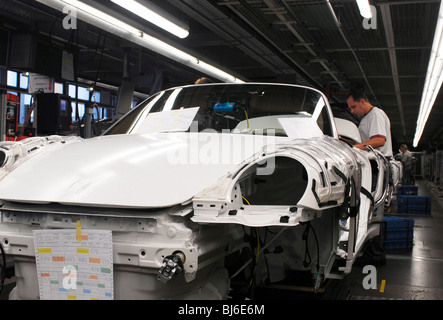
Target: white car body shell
180	192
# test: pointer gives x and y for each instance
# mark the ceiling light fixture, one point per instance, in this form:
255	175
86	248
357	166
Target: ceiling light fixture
337	22
365	8
103	16
153	17
187	59
103	20
433	81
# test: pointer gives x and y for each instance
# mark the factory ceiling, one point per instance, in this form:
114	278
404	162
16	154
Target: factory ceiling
320	43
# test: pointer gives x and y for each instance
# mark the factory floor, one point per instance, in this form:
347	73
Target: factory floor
409	274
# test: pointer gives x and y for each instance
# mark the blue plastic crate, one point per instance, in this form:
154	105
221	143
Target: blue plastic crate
402	201
396	228
398	244
408	190
398	233
418	199
398	222
413	204
419	210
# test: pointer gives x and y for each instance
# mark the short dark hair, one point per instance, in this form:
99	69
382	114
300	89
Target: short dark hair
357	95
203	80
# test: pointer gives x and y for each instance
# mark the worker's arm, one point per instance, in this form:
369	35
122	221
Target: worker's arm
374	142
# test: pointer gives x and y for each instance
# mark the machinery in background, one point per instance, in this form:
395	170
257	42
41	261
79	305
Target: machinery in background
46	114
10	128
53	113
12	107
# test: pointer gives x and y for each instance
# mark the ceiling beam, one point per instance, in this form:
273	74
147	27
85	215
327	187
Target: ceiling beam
353	51
239	8
377	49
395	2
390	3
218	24
389	33
291	28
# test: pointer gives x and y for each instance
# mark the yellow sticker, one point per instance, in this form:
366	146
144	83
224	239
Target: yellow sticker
382	286
83	250
79	230
44	250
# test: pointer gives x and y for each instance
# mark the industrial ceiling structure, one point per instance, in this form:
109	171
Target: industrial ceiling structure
320	43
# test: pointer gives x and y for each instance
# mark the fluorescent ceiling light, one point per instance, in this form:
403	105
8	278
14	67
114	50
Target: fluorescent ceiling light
102	20
365	8
102	16
152	17
187	59
333	13
219	74
434	79
167	48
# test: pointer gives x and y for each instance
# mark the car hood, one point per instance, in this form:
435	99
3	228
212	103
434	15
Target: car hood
129	171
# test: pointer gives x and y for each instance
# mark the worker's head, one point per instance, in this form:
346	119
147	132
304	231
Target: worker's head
403	148
358	103
203	80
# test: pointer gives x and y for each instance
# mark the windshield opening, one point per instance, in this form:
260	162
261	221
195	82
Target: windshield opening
239	108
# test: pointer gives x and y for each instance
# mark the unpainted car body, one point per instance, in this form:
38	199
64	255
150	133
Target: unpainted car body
183	177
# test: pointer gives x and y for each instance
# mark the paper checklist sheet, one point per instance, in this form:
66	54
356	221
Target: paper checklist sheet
73	267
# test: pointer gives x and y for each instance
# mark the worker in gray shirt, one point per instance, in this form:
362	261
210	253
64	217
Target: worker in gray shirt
406	160
374	127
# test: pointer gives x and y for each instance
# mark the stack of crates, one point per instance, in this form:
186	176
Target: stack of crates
414	204
398	233
407	190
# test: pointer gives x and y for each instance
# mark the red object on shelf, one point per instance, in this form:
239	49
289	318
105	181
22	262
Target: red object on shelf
11	97
16	138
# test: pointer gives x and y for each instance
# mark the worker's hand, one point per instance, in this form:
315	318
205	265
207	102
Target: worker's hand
374	142
360	146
